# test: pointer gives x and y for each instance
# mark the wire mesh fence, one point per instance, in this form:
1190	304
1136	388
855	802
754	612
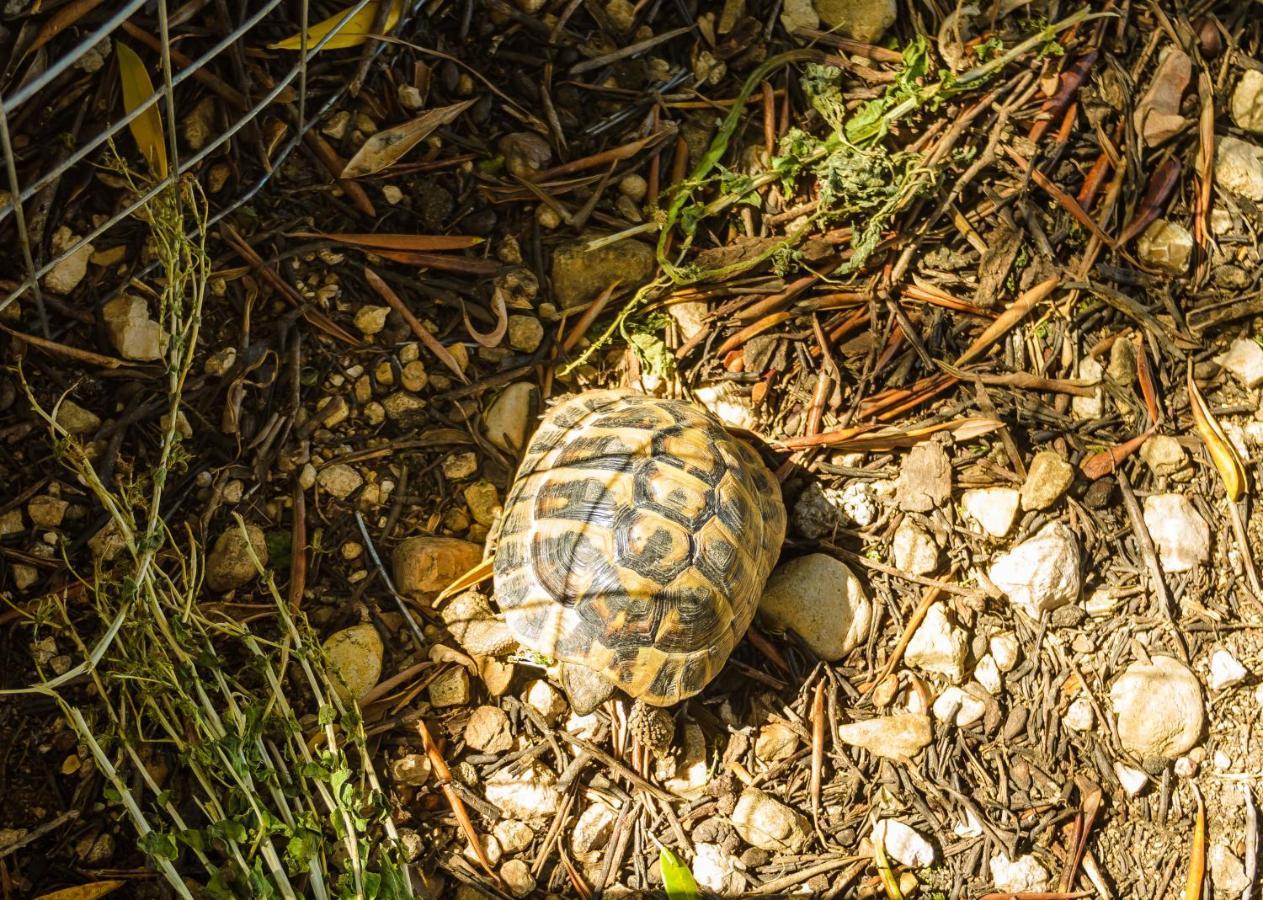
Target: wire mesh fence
61	112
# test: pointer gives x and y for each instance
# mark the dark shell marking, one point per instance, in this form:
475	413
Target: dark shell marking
636	541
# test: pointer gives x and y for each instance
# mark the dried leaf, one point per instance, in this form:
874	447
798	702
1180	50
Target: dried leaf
354	31
465	265
1221	451
389	146
677	880
1007	319
147	127
864	438
1197	854
1098	465
443	775
431	342
413	242
1144	374
83	891
496	335
59	21
1157	116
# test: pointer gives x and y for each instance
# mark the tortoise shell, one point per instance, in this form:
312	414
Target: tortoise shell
636	540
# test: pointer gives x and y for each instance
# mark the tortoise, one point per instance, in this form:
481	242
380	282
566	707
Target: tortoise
634	545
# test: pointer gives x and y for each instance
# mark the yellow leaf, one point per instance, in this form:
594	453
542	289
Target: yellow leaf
1221	451
83	891
1197	855
147	127
352	33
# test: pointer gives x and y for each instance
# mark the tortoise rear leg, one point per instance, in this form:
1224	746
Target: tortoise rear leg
585	689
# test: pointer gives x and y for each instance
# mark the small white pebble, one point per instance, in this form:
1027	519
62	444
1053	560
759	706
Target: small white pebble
1079	715
1225	671
1005	650
1132	780
987	674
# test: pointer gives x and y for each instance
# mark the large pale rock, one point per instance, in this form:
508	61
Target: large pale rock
1042	573
863	20
938	646
1048	477
1158	707
1182	535
340	480
1246	104
425	565
765	822
75	419
903	843
1239	167
718	871
899	737
355	658
1163	454
925	478
821	600
593	828
959	707
66	275
993	508
914	549
135	336
1093	405
1167	246
1244	359
1227	871
1021	875
580	275
488	730
470	619
229	565
686	771
530	796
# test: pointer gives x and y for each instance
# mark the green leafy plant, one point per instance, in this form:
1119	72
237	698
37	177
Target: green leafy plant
872	120
644	336
271	791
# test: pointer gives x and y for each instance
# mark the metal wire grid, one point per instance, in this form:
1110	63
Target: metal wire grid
165	94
